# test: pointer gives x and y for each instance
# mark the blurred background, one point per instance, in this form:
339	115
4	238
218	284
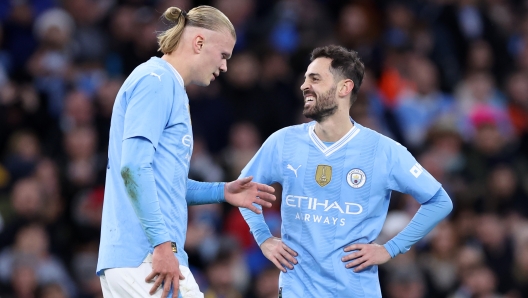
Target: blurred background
446	78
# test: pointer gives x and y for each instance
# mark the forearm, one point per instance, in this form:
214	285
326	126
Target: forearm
427	217
138	177
200	193
257	225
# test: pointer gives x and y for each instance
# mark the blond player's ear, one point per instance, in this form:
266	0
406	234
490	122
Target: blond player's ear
198	43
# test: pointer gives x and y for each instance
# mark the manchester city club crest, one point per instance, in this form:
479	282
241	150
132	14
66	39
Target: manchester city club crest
323	175
356	178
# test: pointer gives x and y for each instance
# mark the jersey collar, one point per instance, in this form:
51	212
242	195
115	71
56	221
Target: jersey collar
328	150
176	73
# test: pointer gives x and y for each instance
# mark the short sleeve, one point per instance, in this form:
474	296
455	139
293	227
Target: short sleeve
265	165
408	176
148	109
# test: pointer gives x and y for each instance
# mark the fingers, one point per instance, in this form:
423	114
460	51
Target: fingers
266	197
354	247
357	257
289	250
279	254
245	180
176	285
167	287
254	209
364	255
284	262
265	188
289	258
151	276
278	265
157	284
356	262
262	202
363	266
351	256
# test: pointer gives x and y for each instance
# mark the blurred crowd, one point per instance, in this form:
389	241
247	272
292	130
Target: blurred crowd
448	79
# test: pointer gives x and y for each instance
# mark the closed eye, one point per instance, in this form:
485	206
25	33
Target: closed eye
314	77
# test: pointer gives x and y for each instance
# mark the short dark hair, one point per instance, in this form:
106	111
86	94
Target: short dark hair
345	64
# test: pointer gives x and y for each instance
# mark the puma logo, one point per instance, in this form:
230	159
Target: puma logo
290	167
156	75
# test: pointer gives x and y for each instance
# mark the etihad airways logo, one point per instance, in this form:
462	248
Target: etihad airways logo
307	204
325	205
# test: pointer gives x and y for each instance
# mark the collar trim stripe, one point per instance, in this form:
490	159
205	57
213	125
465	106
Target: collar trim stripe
327	151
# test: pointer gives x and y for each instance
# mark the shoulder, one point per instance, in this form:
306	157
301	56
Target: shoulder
389	145
384	143
292	131
153	74
367	132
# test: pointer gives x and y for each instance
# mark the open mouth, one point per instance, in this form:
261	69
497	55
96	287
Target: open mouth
309	97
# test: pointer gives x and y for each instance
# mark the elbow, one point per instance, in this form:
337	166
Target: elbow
449	206
446	202
126	172
446	205
130	182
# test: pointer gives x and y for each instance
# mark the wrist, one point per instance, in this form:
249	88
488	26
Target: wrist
263	237
163	248
221	192
391	249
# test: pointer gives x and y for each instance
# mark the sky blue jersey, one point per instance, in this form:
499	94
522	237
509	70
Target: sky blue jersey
152	104
333	195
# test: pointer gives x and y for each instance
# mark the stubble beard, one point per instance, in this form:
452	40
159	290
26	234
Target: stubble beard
325	106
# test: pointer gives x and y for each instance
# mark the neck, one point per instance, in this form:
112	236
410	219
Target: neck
181	65
333	128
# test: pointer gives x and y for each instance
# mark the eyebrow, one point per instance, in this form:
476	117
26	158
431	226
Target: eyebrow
312	75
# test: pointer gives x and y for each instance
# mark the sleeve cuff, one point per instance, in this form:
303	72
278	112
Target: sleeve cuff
262	235
391	248
218	195
159	239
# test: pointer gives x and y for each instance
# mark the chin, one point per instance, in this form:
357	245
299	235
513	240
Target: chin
308	115
203	83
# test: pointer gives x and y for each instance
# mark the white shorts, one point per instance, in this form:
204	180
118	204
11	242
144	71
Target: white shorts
130	282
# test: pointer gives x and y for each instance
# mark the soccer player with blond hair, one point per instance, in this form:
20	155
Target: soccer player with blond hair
147	187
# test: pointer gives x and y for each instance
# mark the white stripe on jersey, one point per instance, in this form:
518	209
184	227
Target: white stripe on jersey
327	151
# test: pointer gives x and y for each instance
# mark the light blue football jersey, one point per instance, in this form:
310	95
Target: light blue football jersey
333	195
152	103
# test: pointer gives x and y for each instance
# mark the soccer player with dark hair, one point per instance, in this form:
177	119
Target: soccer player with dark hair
337	178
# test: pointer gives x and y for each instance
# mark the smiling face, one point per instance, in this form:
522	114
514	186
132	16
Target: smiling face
217	47
319	90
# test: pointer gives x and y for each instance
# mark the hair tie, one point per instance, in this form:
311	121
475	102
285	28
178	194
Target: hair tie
182	13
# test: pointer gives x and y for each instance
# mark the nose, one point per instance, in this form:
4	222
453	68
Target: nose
304	85
223	67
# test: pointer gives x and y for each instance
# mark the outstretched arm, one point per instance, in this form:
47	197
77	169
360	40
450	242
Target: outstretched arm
201	193
239	193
